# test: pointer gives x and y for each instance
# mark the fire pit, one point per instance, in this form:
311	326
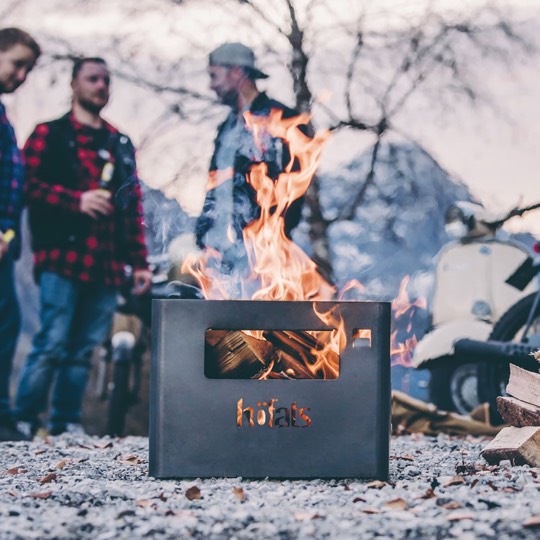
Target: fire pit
286	382
282	422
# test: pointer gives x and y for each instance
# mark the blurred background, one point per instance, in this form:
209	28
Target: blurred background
428	102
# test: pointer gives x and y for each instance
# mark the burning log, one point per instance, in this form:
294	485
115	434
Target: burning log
296	353
296	347
292	368
235	355
284	354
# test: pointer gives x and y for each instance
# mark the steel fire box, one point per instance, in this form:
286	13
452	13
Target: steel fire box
337	428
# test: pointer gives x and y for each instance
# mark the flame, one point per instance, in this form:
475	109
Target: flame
401	353
352	285
278	268
327	358
281	270
403	310
281	267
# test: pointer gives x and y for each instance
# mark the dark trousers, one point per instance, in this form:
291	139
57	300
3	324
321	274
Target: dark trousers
10	323
75	317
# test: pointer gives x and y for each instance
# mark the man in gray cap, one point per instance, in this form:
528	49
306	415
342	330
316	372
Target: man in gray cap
230	202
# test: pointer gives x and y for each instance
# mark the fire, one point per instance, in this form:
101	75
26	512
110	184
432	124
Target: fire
278	268
352	285
403	340
328	356
281	270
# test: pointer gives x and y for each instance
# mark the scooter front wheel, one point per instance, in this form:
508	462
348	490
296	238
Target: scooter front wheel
453	385
493	376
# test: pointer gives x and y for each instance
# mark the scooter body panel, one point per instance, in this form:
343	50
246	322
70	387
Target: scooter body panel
470	281
440	341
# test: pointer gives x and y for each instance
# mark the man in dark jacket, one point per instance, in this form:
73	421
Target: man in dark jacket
85	212
230	202
18	54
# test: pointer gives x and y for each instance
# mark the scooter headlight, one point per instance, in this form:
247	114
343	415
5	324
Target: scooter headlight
481	309
456	229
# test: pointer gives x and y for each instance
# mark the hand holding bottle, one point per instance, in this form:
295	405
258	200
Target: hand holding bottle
96	203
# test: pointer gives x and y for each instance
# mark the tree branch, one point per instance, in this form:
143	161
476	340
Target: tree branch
299	62
350	71
349	213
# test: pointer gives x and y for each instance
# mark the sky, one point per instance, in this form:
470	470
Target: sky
494	152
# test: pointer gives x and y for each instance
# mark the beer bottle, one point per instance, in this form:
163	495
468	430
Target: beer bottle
8	236
108	170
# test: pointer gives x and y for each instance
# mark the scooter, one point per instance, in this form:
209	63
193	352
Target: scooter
470	295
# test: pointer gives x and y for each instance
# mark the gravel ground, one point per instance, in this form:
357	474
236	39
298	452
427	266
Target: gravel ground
99	488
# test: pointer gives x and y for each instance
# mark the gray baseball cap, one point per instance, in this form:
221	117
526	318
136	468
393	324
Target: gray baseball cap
236	54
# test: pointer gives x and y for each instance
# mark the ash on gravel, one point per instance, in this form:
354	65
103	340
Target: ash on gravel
98	488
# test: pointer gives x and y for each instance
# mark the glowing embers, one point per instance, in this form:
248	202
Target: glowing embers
271	354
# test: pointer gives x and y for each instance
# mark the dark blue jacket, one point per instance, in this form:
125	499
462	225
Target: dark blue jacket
245	207
11	182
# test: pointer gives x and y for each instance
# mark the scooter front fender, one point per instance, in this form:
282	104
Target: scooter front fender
440	341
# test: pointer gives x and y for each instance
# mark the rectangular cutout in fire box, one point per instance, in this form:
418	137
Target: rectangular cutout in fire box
308	416
271	354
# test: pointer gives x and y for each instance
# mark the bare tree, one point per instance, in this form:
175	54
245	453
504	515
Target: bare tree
379	61
387	68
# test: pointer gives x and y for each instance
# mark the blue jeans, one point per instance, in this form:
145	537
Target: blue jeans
74	318
10	323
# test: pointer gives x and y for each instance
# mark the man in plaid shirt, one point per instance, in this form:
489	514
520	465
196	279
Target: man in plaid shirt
85	212
18	54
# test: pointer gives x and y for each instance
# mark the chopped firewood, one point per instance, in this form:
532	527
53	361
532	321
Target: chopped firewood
519	445
330	368
284	354
518	413
293	355
300	345
213	337
292	367
303	339
234	356
298	348
261	348
524	385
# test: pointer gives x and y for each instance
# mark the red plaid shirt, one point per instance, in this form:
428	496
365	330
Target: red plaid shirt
100	260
